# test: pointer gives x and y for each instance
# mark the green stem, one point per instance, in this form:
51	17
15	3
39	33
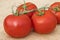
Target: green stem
24	6
44	9
40	12
16	13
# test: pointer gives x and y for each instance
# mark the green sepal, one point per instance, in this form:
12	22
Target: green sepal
16	14
56	9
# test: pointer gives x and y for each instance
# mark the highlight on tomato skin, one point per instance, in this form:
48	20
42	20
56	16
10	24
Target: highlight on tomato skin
55	9
44	23
17	26
29	6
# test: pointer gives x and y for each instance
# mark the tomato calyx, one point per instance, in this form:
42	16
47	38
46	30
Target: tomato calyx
57	8
42	11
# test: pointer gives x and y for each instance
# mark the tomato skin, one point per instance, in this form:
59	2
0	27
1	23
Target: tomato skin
17	26
58	17
30	6
45	23
54	5
56	13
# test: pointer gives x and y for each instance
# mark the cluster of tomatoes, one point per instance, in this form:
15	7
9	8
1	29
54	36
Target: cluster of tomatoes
27	16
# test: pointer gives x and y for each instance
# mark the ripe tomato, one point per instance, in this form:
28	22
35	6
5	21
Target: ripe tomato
55	8
29	6
17	26
44	23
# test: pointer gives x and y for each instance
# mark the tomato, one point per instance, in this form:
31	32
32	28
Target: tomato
17	26
55	9
44	21
29	6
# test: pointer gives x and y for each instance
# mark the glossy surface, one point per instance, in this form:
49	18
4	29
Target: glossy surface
45	23
17	26
57	13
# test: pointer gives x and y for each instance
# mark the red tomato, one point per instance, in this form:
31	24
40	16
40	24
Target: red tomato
45	23
29	6
17	26
55	8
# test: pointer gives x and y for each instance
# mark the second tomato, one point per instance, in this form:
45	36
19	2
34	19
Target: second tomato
44	21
